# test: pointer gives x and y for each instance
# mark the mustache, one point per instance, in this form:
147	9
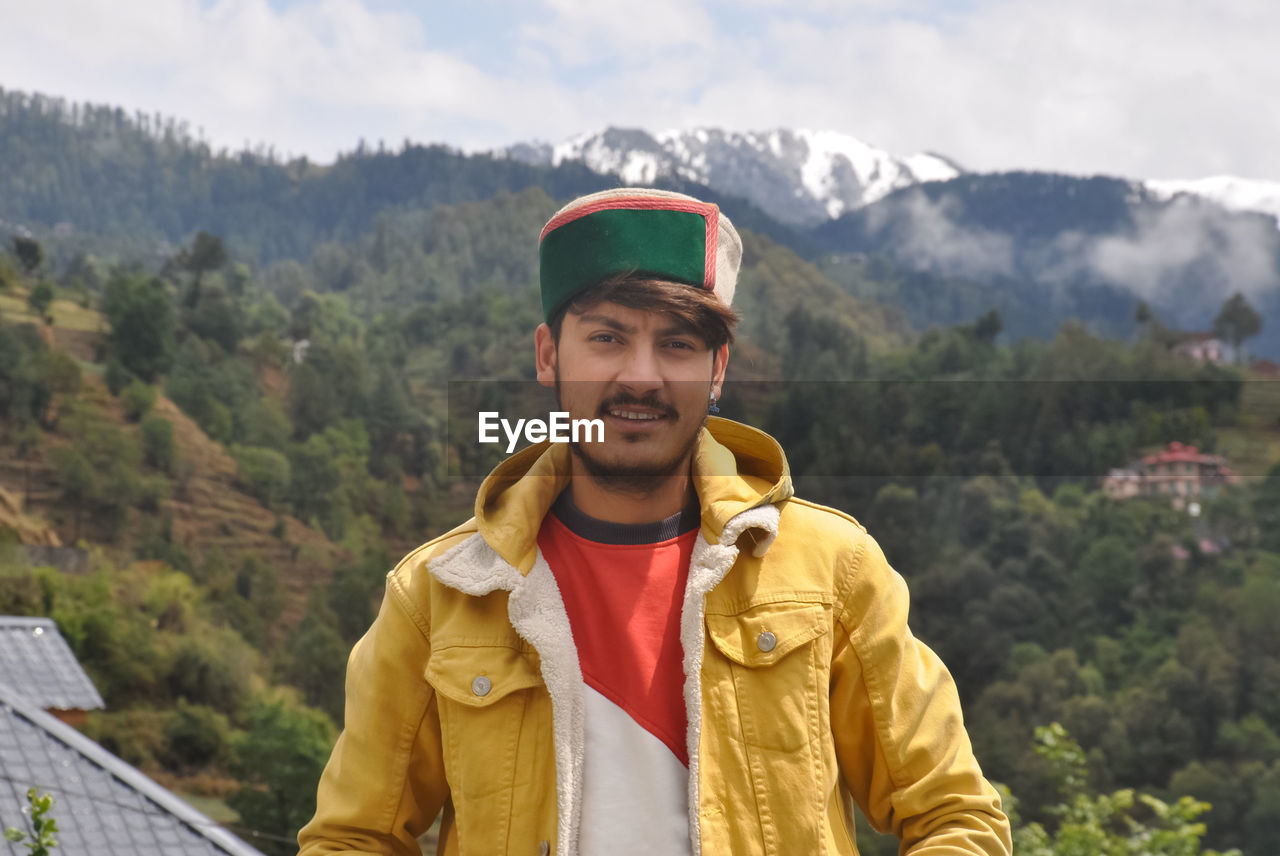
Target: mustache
651	402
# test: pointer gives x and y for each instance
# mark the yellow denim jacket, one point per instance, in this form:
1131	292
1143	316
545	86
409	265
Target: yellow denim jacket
466	693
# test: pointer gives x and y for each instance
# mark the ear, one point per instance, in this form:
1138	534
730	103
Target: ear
544	353
718	366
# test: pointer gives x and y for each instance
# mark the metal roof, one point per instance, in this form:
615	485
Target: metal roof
36	661
102	805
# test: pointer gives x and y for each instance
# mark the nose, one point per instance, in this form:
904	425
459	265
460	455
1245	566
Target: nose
639	372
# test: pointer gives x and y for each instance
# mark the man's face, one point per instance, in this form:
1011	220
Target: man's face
647	377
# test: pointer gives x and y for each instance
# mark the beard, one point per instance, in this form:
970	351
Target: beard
642	476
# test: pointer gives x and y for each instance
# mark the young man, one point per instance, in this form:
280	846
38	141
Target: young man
647	644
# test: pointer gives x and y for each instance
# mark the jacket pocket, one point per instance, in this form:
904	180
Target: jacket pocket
775	669
480	675
484	698
495	726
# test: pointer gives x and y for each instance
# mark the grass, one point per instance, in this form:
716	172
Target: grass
1249	451
211	807
67	314
1254	448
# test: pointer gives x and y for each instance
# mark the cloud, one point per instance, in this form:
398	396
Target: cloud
1226	253
310	79
1082	86
927	236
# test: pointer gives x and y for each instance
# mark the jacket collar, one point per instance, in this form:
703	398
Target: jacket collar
735	468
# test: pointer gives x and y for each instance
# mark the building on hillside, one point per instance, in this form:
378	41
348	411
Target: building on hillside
37	663
1201	347
102	805
1122	484
1177	472
1265	368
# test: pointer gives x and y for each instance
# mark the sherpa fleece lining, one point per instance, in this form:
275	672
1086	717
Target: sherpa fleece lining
538	615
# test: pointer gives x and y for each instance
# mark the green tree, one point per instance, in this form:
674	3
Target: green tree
1123	823
77	479
205	255
318	657
1237	321
157	443
216	317
41	298
1267	510
137	399
29	440
265	472
142	326
279	758
29	253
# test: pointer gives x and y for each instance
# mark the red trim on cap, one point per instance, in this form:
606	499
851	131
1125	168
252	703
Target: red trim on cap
713	235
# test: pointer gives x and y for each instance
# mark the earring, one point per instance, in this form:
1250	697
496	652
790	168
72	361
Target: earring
712	408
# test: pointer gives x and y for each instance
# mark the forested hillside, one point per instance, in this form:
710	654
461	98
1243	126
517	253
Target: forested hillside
1042	248
143	179
246	443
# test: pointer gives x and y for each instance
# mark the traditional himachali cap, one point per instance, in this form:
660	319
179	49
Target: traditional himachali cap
637	230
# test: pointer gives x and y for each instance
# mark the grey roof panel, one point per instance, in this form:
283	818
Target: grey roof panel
103	806
37	662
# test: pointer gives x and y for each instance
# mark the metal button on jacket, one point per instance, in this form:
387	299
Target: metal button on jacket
481	686
766	641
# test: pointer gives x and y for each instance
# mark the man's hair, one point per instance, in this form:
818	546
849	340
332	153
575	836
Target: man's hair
702	312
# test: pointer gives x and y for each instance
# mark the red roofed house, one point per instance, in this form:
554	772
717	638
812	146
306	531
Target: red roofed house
1180	472
1177	472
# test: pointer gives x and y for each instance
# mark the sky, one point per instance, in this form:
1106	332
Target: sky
1136	88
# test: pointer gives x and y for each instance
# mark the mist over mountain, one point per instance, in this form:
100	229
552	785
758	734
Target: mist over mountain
1231	192
1058	238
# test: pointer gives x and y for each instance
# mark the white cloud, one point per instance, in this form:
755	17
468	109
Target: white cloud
1079	85
311	79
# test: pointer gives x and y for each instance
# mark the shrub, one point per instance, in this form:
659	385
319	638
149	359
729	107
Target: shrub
195	736
280	758
152	491
157	443
136	736
264	472
212	669
116	375
137	399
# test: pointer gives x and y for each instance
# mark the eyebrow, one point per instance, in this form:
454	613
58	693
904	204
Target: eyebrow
615	324
611	323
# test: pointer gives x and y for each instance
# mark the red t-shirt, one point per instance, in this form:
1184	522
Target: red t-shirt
624	602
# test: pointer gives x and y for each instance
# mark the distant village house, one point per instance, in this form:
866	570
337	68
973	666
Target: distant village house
1178	472
1201	347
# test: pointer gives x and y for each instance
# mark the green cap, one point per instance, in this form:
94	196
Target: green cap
636	230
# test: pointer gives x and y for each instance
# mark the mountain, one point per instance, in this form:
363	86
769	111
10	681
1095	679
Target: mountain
947	244
106	179
1231	192
1063	246
801	177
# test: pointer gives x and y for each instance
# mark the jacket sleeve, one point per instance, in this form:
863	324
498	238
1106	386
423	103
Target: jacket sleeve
899	733
384	783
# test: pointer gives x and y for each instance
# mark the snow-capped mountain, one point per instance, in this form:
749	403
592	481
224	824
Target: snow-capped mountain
803	177
1234	194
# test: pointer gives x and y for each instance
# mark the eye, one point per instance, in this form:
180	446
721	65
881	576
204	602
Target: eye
602	337
682	344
